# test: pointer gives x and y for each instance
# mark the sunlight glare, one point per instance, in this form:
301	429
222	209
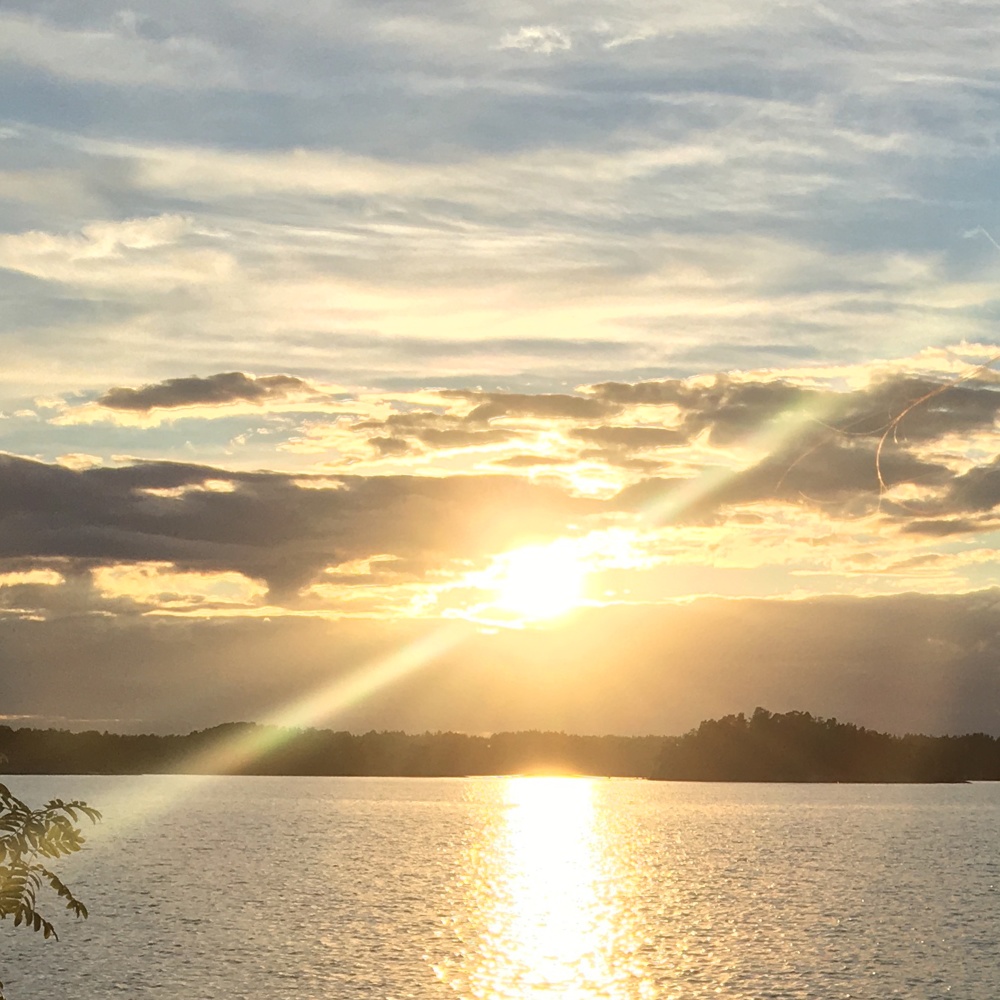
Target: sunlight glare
542	581
546	912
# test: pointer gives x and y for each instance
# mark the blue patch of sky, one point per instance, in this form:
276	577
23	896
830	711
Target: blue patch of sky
36	311
183	439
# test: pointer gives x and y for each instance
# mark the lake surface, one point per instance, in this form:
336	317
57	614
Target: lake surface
520	888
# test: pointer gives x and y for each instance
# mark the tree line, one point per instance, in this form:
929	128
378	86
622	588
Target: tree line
764	746
325	752
797	746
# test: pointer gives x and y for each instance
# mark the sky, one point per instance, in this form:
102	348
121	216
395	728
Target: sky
477	366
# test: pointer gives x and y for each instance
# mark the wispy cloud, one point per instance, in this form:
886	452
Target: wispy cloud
545	39
123	50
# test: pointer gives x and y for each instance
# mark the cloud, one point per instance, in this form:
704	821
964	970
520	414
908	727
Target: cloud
731	409
544	39
463	438
436	439
79	461
669	451
649	492
922	409
975	491
728	408
413	422
945	528
630	438
841	478
492	405
121	260
433	430
212	390
835	470
916	663
531	461
614	232
75	596
116	53
266	526
893	445
389	445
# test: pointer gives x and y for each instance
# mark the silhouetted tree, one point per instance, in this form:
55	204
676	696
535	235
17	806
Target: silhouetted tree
29	840
323	752
797	746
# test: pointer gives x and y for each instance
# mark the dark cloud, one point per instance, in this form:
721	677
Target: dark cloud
531	461
622	460
456	438
918	409
725	407
729	409
75	596
837	475
834	471
630	438
411	422
435	431
379	571
641	495
490	405
909	663
441	439
270	527
213	390
389	445
965	506
267	526
658	393
976	490
944	528
914	562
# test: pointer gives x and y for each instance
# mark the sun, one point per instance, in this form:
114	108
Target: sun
539	581
535	583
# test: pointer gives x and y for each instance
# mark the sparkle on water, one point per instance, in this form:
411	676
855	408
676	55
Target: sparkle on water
548	896
522	889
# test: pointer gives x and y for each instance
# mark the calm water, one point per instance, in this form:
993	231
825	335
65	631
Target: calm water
521	888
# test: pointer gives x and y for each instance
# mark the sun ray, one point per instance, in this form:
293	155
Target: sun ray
236	752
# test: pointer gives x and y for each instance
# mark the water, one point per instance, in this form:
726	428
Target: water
520	888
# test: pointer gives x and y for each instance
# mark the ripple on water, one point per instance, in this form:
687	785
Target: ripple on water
522	888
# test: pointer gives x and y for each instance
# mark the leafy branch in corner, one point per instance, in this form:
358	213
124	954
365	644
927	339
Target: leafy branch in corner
29	839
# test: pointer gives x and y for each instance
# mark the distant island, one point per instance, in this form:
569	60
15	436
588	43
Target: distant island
797	746
765	746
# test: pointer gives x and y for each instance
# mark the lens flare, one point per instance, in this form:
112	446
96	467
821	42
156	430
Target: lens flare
236	752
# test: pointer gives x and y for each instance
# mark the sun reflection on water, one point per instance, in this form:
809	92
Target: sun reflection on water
546	903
